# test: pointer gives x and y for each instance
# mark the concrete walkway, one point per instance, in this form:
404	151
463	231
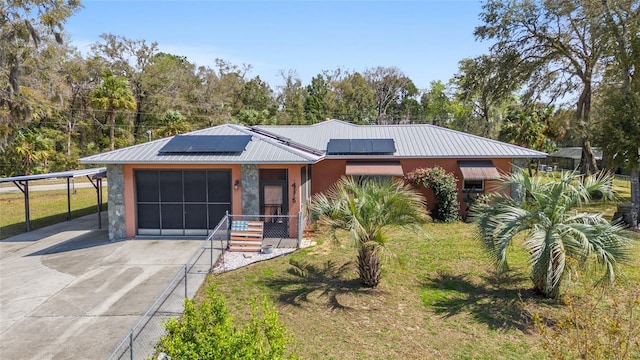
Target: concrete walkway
66	292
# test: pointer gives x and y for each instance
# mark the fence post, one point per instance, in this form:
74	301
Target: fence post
131	344
185	280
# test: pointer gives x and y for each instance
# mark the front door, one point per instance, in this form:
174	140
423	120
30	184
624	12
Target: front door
274	208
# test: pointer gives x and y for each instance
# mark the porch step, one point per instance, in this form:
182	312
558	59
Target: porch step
245	248
246	236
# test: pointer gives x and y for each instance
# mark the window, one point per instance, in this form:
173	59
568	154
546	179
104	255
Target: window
473	186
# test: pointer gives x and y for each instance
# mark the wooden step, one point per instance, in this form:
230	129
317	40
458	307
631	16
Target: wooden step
246	249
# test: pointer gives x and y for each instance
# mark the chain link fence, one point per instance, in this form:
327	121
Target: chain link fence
140	341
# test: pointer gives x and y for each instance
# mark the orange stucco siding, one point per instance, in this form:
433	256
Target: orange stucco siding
129	188
327	172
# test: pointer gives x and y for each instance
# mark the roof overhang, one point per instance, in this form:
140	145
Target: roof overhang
386	168
478	170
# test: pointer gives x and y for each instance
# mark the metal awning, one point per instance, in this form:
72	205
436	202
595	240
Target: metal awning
388	168
478	170
22	183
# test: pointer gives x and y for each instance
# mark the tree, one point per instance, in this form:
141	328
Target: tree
436	104
560	44
526	125
291	99
390	86
355	99
111	95
128	58
27	28
173	123
367	209
621	129
557	236
486	83
316	104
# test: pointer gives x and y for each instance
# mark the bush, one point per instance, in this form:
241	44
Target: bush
443	184
206	331
594	327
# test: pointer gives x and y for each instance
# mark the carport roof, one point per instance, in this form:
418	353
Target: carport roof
63	174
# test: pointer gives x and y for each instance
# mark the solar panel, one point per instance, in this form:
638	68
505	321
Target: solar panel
384	146
206	144
339	146
361	147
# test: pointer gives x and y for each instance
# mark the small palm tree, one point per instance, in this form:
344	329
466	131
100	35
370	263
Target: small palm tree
367	209
554	230
113	94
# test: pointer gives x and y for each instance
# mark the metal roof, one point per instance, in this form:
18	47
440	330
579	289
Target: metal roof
308	144
63	174
261	149
415	140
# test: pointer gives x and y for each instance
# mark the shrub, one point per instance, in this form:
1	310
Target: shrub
443	184
206	331
594	328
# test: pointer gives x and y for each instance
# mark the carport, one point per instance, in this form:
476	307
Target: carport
95	176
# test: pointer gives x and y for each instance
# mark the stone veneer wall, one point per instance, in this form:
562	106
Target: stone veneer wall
115	199
250	189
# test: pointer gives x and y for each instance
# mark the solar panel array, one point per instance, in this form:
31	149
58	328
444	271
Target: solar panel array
361	147
206	144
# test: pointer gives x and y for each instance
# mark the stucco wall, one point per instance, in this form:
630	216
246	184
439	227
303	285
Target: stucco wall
327	172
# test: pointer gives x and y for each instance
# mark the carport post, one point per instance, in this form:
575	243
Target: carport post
24	187
185	281
131	344
68	199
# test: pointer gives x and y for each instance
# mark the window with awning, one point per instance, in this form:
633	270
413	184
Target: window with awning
474	170
378	168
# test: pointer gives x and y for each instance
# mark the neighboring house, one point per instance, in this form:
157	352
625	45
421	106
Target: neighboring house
568	158
184	185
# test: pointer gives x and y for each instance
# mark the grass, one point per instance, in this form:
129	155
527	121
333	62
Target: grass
46	208
439	298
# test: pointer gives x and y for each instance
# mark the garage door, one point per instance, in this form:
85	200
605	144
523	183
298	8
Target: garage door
181	202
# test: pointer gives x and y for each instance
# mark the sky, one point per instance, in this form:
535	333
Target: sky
425	39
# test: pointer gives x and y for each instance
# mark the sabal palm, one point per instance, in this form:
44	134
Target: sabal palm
555	231
111	95
367	209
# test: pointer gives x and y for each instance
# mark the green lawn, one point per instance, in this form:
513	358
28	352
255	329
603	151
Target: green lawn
439	298
46	207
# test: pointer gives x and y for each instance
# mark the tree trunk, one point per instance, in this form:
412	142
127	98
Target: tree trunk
588	163
369	265
635	196
112	129
583	110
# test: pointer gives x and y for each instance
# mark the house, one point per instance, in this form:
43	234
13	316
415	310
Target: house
184	185
568	158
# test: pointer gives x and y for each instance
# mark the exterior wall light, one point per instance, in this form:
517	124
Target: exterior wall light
236	185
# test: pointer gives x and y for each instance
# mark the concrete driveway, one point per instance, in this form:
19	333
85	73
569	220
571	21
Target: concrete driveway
66	292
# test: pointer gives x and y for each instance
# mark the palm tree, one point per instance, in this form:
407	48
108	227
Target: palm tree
173	123
367	209
554	230
112	95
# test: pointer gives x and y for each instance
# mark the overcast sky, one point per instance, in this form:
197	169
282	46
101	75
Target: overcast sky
425	39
